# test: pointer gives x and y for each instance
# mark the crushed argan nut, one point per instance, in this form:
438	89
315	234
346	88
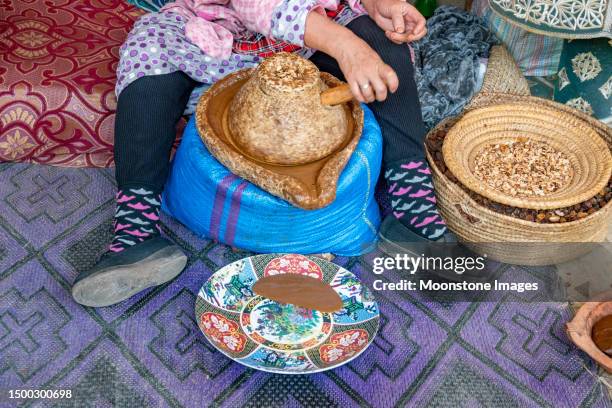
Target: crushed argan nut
288	72
523	168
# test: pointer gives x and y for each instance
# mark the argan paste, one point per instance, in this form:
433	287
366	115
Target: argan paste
299	290
602	334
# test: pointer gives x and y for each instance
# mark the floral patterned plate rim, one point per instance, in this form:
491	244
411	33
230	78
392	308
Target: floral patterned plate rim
282	338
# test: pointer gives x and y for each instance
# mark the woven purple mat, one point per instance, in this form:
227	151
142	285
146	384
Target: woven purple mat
148	351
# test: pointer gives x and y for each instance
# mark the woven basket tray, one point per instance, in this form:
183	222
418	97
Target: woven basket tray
503	237
589	157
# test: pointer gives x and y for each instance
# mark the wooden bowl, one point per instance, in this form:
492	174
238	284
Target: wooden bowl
580	329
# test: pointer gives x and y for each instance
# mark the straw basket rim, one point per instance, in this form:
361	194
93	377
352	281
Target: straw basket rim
589	153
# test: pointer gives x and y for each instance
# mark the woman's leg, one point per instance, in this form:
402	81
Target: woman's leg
403	131
145	128
147	113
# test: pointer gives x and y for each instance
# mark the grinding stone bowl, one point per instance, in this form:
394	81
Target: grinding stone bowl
277	117
289	143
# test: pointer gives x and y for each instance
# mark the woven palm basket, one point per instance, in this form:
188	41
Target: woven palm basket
589	158
502	237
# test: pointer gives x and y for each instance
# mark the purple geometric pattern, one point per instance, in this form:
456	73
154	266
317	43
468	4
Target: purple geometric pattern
148	351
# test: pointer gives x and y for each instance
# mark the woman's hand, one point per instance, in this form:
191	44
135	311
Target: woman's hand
369	77
401	22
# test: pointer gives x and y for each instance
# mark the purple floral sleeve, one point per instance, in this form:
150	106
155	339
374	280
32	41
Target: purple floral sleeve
289	20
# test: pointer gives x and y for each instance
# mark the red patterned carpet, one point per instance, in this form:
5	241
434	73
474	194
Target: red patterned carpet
57	78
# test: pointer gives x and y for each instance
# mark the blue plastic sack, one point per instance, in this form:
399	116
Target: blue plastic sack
211	201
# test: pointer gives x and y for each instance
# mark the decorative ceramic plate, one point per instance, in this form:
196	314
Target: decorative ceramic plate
283	338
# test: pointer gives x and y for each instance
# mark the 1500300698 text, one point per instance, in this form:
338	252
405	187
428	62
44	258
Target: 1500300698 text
38	394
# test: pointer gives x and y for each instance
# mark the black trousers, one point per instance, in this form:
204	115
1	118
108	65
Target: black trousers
149	109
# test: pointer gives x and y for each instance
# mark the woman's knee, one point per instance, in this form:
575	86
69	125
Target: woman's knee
366	29
149	108
171	89
396	55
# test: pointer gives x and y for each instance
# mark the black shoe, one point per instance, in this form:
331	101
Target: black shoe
117	276
396	238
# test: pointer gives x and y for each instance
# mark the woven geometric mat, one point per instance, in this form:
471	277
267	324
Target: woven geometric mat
148	351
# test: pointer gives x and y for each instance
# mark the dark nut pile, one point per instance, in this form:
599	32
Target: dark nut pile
566	214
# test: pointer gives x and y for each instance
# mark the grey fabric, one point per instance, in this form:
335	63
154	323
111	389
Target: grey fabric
447	60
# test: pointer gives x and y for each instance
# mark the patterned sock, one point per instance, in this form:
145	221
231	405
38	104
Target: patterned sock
136	217
412	198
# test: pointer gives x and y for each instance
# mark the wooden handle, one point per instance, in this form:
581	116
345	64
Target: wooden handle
336	95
